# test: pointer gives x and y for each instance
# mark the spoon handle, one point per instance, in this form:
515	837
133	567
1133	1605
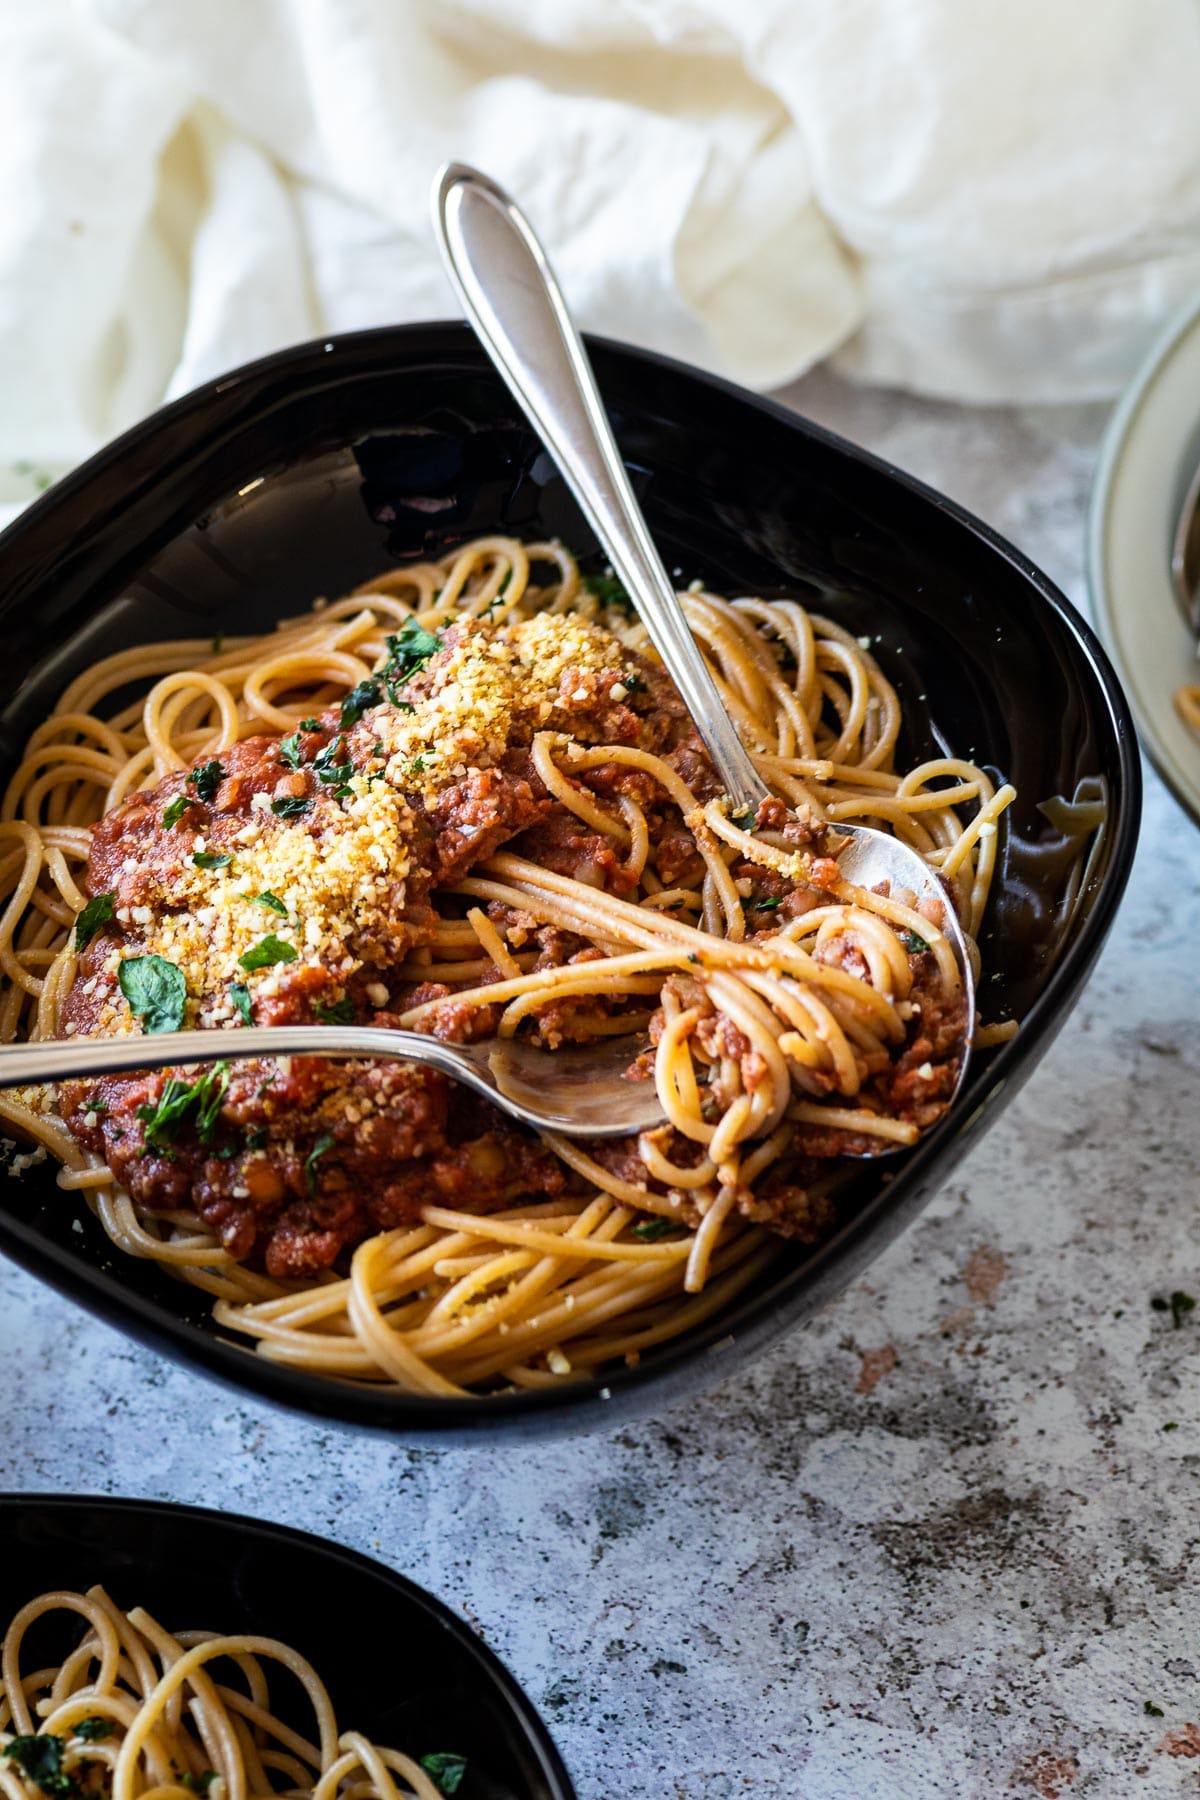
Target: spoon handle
63	1059
512	299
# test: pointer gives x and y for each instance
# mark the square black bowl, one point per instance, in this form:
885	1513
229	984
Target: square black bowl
399	1665
315	469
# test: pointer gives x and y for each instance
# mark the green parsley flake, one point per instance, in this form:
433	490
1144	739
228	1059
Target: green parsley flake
175	811
912	943
327	770
156	991
291	806
207	779
340	1012
267	951
239	993
650	1230
161	1122
358	701
96	913
94	1729
609	591
323	1143
290	751
271	901
212	859
39	1758
446	1769
408	650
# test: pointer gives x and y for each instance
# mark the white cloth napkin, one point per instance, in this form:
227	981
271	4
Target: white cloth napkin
984	199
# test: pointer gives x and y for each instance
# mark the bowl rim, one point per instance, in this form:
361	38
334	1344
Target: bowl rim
488	1668
774	1312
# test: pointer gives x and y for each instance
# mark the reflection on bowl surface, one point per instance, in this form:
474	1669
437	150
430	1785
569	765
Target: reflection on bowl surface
409	1674
317	469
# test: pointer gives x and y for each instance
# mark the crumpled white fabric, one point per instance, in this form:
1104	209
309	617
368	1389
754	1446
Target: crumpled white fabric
984	199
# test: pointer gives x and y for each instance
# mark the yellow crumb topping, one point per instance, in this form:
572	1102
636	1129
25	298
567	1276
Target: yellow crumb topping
338	875
330	885
493	688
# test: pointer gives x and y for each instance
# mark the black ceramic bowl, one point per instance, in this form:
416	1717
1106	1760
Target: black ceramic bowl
310	471
398	1665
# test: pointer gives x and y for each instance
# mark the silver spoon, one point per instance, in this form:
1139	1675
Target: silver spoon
581	1092
511	297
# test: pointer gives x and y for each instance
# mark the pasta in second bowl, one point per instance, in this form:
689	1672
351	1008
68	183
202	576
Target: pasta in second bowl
541	930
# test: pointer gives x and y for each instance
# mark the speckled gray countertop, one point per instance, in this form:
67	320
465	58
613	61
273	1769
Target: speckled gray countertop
942	1543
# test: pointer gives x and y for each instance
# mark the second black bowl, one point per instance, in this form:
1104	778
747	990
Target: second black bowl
309	472
397	1663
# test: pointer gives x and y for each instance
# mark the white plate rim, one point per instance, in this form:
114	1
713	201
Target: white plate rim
1128	436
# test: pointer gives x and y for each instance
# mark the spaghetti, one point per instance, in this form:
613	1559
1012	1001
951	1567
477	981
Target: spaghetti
134	1711
467	800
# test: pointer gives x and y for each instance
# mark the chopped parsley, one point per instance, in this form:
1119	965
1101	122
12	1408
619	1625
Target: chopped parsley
257	1139
745	819
179	1098
156	991
323	1143
408	651
650	1230
913	943
175	811
93	1730
1152	1711
239	993
39	1759
357	701
609	591
267	951
341	1012
769	903
268	899
207	779
96	913
1178	1306
633	683
310	725
327	770
201	1783
212	859
1171	1425
291	806
290	751
445	1769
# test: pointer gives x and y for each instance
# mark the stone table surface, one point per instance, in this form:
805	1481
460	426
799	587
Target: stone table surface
942	1542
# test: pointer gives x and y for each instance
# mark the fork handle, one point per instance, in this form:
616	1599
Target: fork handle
510	295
